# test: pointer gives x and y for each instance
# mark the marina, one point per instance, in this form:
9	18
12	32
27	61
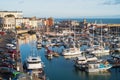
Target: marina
40	56
58	65
63	67
60	40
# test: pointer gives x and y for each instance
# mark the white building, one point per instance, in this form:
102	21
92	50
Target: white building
16	14
8	19
15	19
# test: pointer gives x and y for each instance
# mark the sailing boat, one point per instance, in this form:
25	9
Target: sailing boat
100	48
72	51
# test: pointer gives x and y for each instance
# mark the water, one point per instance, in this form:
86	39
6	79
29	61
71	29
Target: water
60	68
92	20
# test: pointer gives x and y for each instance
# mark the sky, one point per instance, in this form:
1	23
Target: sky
64	8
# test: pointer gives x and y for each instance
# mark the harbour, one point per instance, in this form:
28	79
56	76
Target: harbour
58	65
58	54
62	67
59	40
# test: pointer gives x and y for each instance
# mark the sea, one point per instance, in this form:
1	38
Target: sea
63	68
92	20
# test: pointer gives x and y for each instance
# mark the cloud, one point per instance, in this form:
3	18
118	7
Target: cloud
112	2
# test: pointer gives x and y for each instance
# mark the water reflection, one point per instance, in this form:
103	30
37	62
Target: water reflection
93	76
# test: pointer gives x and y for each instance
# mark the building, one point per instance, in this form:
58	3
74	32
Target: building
8	19
16	14
15	19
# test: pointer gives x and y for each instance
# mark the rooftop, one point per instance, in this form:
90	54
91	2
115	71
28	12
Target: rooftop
12	11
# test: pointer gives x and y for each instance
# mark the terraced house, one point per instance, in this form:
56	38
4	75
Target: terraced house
14	19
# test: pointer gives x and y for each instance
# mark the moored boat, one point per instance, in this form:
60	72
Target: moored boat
34	63
97	66
81	61
71	51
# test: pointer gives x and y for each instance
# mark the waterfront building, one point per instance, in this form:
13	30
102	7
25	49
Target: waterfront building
33	22
48	23
36	23
15	19
7	20
19	23
22	23
16	14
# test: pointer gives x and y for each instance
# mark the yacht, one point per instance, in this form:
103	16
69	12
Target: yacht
99	51
39	43
71	51
81	61
98	66
34	63
92	64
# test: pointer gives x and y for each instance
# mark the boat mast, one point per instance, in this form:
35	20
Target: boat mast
101	34
74	36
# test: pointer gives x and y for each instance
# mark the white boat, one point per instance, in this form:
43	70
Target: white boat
97	66
10	46
71	51
92	64
100	51
34	63
39	41
39	45
117	49
81	61
71	57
